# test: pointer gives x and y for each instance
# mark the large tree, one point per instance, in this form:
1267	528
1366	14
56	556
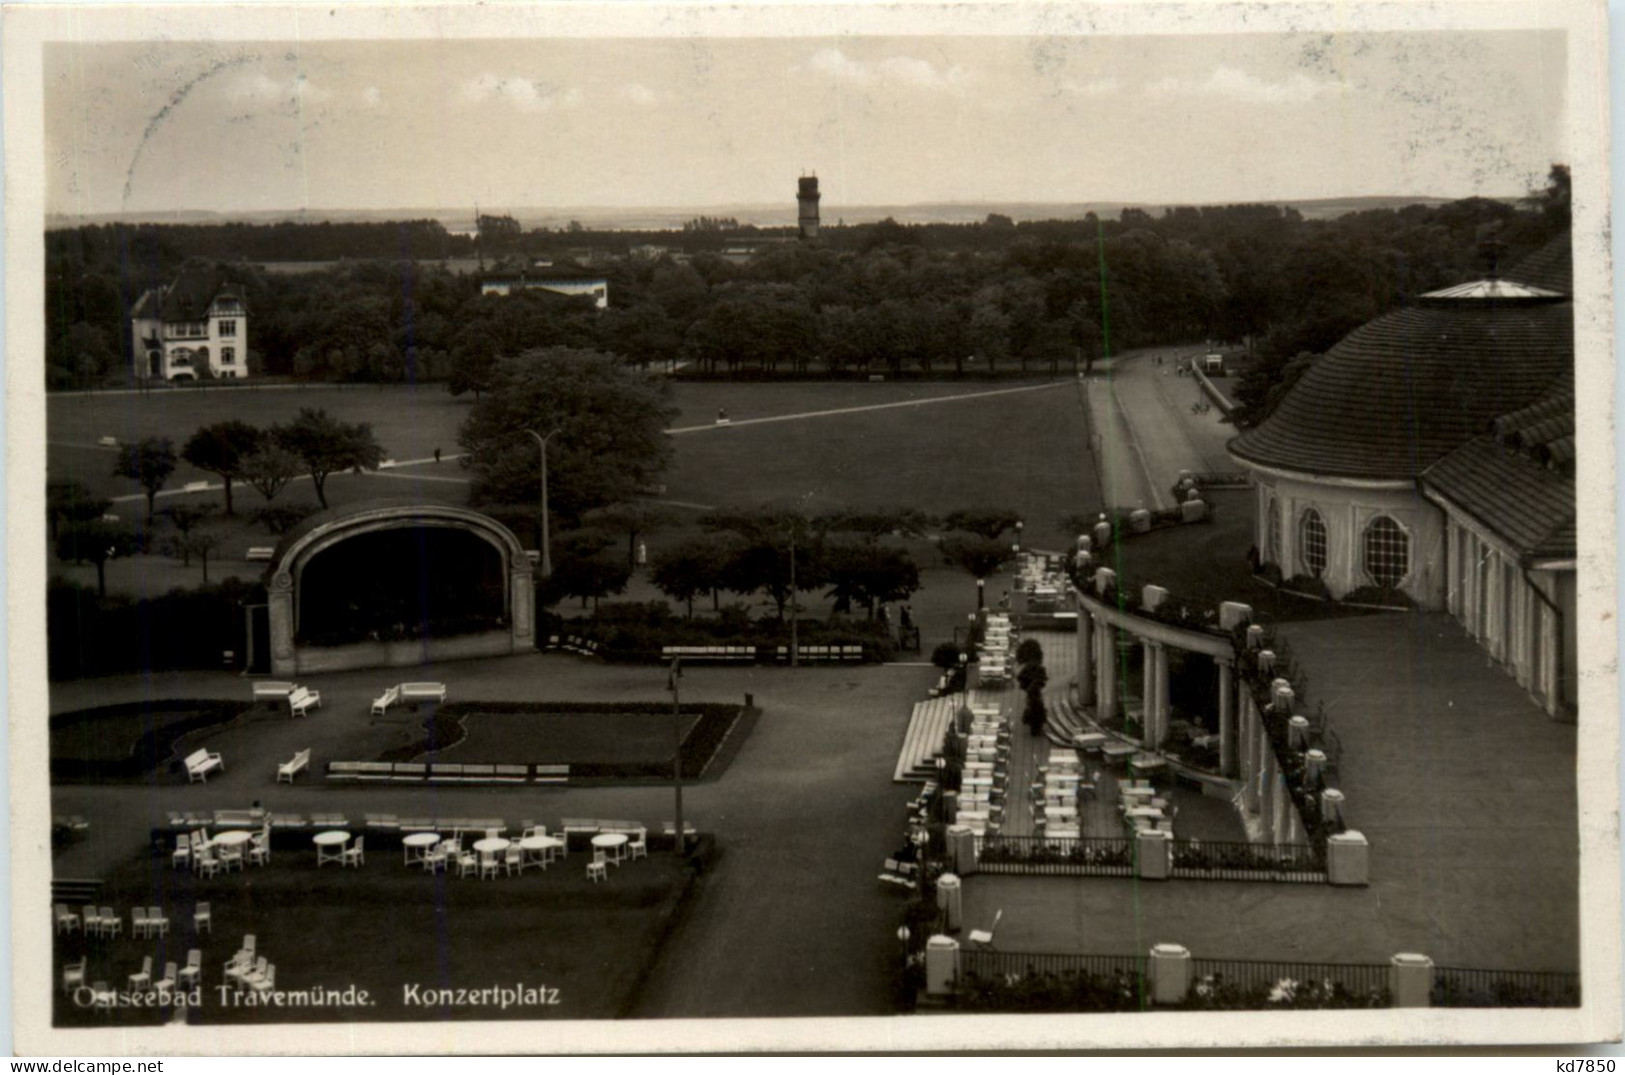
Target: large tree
220	449
97	542
867	574
150	462
981	557
325	445
604	421
984	522
635	518
71	501
760	551
270	469
686	570
186	518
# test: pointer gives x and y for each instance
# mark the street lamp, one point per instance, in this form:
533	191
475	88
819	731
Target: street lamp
541	442
1018	535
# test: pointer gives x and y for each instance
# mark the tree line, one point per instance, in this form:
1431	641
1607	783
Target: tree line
922	299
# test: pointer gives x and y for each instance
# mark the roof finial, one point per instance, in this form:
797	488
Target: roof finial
1492	250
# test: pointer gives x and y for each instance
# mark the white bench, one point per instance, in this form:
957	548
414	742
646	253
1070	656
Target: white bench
195	487
381	704
302	700
261	553
107	442
272	690
200	763
290	769
423	692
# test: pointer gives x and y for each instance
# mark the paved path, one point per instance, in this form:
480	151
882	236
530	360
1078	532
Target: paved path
791	921
928	401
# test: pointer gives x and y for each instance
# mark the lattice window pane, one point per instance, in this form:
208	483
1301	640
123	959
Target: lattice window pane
1272	532
1387	551
1312	542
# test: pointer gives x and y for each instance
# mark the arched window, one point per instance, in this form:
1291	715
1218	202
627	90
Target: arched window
1387	551
1312	542
1272	532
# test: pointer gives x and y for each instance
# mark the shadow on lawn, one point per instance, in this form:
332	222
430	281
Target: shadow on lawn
389	942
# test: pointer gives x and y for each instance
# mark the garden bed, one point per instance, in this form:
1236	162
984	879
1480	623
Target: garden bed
129	741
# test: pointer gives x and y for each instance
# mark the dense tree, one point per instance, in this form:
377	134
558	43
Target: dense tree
985	522
760	554
867	574
71	501
281	518
221	448
149	462
584	567
634	518
323	444
686	570
96	542
982	557
270	469
607	423
186	518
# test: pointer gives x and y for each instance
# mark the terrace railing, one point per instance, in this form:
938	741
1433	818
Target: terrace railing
1358	984
1465	987
1086	856
1225	860
1034	982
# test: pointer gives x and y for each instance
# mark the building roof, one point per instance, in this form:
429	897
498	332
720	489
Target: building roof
1397	394
1551	267
196	287
1528	506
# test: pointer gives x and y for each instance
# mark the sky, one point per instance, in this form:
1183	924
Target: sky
701	122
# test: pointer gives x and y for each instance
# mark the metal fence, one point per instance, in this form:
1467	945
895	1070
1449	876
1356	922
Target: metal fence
1224	860
1085	856
1268	978
987	963
1466	987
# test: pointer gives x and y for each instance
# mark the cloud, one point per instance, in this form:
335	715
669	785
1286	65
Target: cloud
639	94
1236	84
262	88
895	69
527	95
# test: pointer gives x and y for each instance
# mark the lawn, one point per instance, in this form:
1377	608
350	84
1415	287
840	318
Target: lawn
387	928
128	741
564	738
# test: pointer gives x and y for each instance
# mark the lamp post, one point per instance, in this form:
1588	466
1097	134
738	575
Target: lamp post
541	442
794	656
677	750
1018	535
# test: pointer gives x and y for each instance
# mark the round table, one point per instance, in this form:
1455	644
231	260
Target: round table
611	843
418	842
234	838
538	849
330	845
492	844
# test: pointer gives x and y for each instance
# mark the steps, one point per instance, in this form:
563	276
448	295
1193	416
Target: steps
923	740
75	890
1064	721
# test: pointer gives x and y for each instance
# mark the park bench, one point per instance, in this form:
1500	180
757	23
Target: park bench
302	700
552	774
899	872
272	690
408	772
292	768
237	819
107	442
381	704
423	692
669	828
709	653
200	763
578	825
261	553
195	487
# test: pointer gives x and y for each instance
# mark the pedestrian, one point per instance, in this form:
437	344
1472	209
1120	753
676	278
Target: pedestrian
437	455
905	618
643	554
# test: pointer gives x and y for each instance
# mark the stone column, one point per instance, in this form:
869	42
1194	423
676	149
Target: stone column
941	965
1148	695
1106	676
1161	682
1086	656
1227	717
1170	972
280	599
1410	980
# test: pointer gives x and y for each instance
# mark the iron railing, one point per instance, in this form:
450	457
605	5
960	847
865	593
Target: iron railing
1088	856
1283	983
1466	987
1226	860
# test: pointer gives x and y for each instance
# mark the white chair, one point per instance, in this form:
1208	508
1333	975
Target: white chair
638	846
142	979
203	918
166	984
111	924
598	868
984	938
182	855
355	854
467	863
488	864
231	858
66	920
102	998
89	922
262	979
73	975
435	858
205	863
513	860
157	922
259	849
193	971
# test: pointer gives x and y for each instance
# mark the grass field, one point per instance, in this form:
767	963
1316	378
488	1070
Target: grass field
563	738
387	927
1028	450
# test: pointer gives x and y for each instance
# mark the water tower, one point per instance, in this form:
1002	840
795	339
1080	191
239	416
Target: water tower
807	206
